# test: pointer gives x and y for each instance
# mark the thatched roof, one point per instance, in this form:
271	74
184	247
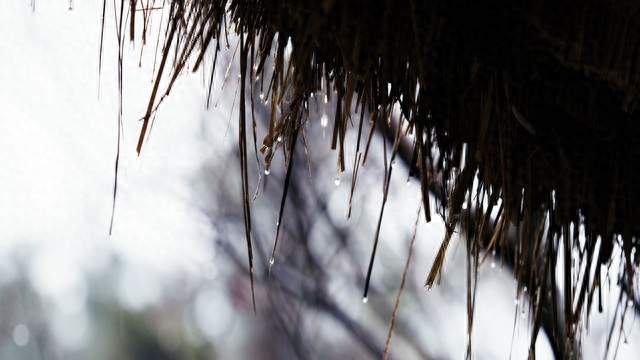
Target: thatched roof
536	101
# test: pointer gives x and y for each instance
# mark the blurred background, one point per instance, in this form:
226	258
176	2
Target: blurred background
171	281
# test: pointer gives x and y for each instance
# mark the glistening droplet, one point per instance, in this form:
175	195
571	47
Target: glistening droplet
21	335
365	299
324	120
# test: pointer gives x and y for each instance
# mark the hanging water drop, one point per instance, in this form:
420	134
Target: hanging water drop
493	264
324	120
267	170
365	300
337	181
271	262
227	47
280	138
629	303
261	96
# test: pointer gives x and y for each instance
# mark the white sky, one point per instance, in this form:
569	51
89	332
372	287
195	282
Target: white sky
57	151
59	143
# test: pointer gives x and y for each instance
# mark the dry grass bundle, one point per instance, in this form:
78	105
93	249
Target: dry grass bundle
535	102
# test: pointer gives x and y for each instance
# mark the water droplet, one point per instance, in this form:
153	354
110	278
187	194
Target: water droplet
525	289
261	96
516	301
267	170
326	98
365	300
324	120
337	181
629	303
271	262
279	138
393	163
227	47
239	76
21	335
493	264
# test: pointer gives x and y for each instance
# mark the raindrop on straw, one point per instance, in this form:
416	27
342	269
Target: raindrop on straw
324	120
365	300
271	262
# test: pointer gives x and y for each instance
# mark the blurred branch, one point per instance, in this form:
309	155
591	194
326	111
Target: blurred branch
313	297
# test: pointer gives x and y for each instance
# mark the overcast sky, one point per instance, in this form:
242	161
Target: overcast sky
58	134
